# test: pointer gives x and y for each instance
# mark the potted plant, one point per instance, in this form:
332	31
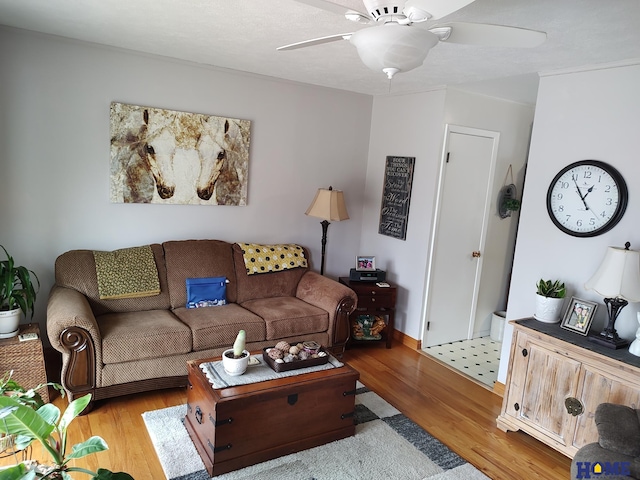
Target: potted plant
512	204
28	397
235	360
17	293
49	428
549	299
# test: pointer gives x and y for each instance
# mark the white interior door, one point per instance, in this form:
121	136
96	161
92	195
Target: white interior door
462	213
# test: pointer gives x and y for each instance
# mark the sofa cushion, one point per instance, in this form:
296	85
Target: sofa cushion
276	284
138	335
76	269
197	259
218	326
288	316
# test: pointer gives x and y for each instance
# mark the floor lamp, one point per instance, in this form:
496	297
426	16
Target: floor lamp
618	280
328	204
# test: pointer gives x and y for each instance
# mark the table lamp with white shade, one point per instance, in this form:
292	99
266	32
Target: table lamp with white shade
618	280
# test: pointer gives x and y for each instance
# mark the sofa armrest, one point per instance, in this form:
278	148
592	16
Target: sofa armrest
337	299
618	428
584	459
73	331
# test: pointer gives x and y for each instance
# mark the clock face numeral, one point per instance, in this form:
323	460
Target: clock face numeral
587	198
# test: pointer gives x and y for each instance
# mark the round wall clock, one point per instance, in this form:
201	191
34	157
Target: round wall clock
587	198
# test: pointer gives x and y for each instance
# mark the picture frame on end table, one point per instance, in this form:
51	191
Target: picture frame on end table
365	263
579	316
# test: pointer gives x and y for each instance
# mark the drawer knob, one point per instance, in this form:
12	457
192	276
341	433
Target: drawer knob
373	299
524	352
574	406
516	407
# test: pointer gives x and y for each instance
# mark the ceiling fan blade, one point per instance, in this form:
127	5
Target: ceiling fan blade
315	41
491	35
330	7
435	8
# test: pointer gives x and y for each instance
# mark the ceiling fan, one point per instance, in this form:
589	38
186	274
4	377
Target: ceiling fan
397	44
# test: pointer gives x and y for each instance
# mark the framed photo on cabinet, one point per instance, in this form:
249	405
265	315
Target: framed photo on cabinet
579	316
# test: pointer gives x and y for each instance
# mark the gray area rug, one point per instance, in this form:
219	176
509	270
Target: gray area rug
386	446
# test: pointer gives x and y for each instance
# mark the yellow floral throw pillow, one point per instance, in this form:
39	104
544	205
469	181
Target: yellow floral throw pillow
272	258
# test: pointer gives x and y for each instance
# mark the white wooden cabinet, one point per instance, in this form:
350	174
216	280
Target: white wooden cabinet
557	378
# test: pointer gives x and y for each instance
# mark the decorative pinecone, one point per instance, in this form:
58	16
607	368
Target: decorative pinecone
283	346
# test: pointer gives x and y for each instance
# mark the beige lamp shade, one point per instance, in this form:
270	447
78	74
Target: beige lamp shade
328	204
618	275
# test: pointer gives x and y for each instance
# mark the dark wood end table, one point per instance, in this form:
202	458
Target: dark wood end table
374	300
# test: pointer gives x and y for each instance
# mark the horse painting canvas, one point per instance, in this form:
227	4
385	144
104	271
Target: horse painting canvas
169	157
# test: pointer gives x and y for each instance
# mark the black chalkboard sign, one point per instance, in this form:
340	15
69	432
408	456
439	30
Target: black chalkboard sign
396	195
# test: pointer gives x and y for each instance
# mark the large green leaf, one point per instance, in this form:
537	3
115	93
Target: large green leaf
50	413
14	472
92	445
24	421
108	475
73	410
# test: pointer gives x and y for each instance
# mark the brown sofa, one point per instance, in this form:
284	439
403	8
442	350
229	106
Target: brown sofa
116	347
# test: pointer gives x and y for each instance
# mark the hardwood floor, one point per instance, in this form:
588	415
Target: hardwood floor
458	411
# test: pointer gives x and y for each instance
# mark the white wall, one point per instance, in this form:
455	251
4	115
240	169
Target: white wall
54	153
513	121
583	115
407	126
413	125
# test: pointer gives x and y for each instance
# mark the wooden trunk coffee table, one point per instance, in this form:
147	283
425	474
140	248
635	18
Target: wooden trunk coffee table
242	425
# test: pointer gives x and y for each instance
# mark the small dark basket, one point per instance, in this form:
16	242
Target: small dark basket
283	367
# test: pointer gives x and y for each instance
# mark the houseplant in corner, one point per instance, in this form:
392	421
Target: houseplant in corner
50	429
549	299
17	294
25	396
235	360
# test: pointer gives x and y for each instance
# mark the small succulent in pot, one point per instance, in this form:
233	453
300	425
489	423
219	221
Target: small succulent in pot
549	300
235	360
548	288
239	344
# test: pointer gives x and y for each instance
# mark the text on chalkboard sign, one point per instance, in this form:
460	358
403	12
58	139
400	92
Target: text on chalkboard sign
396	196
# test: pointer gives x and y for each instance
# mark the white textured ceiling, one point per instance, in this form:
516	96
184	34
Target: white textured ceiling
243	35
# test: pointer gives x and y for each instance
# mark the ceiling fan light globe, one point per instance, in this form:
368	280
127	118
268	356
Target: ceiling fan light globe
393	46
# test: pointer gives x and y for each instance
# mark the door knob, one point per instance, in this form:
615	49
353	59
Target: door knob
475	254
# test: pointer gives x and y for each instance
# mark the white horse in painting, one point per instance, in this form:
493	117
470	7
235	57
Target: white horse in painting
181	155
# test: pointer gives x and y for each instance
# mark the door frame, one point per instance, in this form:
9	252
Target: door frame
495	136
